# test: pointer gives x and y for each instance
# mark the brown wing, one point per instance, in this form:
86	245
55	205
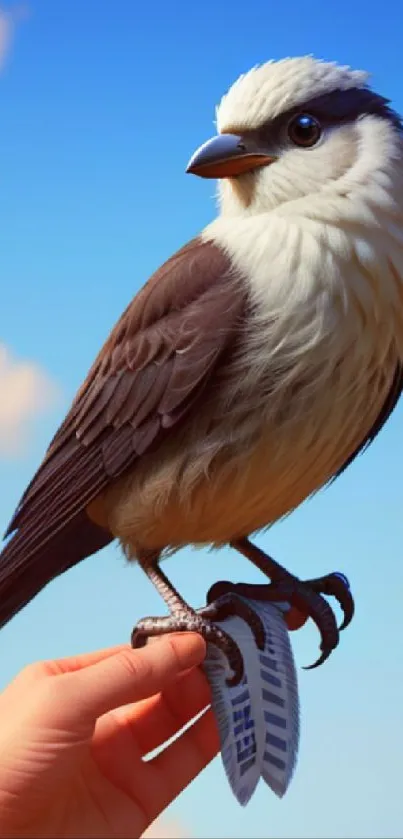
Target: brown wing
148	376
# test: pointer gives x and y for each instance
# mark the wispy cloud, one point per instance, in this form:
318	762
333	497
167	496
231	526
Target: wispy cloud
8	21
26	391
6	34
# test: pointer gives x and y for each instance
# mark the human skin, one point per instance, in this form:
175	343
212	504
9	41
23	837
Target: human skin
74	733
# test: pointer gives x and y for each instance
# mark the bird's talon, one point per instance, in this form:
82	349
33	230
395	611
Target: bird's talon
343	578
304	597
217	636
189	620
223	601
138	639
219	589
336	585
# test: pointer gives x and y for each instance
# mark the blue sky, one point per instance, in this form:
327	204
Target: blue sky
102	104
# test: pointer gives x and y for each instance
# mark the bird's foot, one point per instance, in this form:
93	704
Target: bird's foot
305	597
202	621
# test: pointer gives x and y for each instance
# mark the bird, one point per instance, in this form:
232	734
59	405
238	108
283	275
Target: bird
250	370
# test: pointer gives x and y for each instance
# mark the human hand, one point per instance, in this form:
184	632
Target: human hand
74	732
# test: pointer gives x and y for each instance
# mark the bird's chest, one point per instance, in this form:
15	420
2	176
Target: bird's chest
316	368
314	388
249	476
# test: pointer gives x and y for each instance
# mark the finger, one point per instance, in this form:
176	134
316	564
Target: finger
55	667
129	676
77	662
153	721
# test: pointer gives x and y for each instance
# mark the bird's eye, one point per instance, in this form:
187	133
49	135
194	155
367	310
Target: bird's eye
304	130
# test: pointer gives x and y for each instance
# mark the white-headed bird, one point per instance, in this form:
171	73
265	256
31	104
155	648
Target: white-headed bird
251	368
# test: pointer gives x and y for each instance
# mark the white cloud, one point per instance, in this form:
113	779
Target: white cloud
6	29
26	391
8	21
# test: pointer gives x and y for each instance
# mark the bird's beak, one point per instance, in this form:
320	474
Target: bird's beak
226	156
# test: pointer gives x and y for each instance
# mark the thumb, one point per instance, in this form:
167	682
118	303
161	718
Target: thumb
128	676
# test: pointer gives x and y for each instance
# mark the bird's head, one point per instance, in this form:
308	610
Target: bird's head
293	128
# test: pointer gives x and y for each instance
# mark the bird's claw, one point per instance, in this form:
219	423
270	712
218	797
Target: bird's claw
336	585
223	603
306	596
312	604
199	621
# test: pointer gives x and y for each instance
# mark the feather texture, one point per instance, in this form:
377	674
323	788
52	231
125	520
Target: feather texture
147	377
256	363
